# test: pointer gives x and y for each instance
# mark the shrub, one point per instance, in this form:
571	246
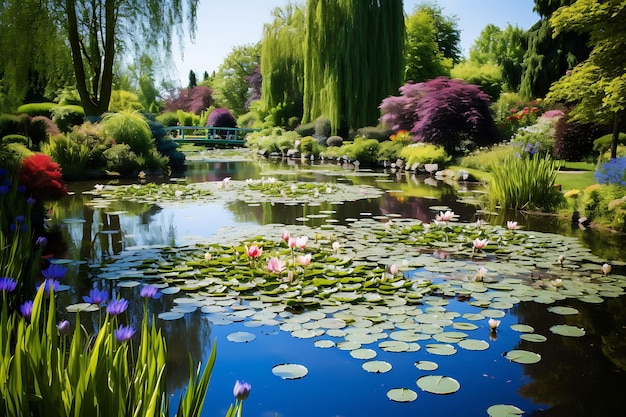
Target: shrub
424	154
322	127
574	141
306	145
603	143
484	158
186	118
194	100
11	154
389	150
121	159
10	124
74	157
307	129
124	100
37	109
39	129
334	141
16	139
525	183
131	128
221	117
373	132
66	117
168	118
612	172
363	150
537	138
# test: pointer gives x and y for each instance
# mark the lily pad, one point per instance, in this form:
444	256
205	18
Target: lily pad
474	344
363	353
426	365
377	367
241	337
290	371
171	315
523	356
504	410
563	310
533	337
438	384
567	330
401	395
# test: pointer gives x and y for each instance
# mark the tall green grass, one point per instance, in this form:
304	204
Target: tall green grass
525	182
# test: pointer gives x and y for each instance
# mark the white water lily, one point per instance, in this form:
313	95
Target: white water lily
178	193
493	324
207	256
480	274
561	260
98	187
606	269
336	246
444	217
558	282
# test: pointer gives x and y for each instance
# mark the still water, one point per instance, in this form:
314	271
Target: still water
582	376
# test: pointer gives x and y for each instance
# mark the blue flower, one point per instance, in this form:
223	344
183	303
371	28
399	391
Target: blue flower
63	327
123	333
54	271
241	390
41	241
20	219
96	297
612	172
30	201
50	285
116	307
150	291
4	189
27	309
7	284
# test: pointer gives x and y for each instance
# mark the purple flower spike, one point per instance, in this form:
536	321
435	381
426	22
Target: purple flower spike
41	241
7	284
123	333
27	309
96	297
150	291
116	307
54	271
30	201
241	390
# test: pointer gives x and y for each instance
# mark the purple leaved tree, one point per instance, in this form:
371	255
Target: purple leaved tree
445	112
193	100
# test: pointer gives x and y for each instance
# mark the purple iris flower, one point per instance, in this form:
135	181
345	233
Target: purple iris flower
20	219
54	271
123	333
7	284
41	241
241	390
96	297
27	309
116	307
30	201
150	291
63	327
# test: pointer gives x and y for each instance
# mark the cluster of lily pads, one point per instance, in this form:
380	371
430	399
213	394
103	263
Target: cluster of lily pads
377	280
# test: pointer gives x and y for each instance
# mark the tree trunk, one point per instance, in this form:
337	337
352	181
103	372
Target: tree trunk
615	139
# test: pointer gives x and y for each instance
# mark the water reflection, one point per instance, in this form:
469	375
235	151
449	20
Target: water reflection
576	376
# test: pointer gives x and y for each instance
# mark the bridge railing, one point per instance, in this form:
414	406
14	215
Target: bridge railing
209	133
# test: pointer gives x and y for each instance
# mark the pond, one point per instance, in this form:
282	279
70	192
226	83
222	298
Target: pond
355	337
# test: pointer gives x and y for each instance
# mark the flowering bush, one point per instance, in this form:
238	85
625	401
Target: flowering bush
612	172
42	177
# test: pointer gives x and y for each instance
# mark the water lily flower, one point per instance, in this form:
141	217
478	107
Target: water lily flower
561	260
511	225
96	297
304	260
225	182
50	285
275	265
253	251
241	390
558	282
301	242
480	243
117	307
27	309
336	246
207	256
124	333
445	217
178	193
481	274
98	187
7	284
393	269
54	271
63	327
285	235
388	225
493	324
291	242
329	190
141	175
150	291
606	269
294	188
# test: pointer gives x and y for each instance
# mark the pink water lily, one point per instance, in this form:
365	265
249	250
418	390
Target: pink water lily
480	243
444	217
291	242
285	235
511	225
393	269
253	251
275	265
304	260
493	324
301	242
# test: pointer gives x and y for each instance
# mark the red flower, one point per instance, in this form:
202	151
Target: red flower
42	177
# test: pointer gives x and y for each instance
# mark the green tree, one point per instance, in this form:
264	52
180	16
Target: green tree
352	59
192	79
230	85
282	64
596	86
33	54
99	31
548	58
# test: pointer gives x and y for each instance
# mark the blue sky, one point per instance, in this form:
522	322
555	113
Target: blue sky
223	25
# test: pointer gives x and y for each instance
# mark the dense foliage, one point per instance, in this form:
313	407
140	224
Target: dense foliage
445	112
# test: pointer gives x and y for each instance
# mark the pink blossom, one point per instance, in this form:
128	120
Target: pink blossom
275	265
253	251
511	225
301	242
285	235
304	260
480	243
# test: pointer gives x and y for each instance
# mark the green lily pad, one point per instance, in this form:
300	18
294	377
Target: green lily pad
441	349
426	365
562	310
171	315
79	307
523	328
474	344
438	384
504	410
523	356
363	353
401	395
533	337
567	330
290	371
241	337
377	367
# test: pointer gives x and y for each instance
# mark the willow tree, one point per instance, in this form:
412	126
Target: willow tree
98	32
352	59
282	64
